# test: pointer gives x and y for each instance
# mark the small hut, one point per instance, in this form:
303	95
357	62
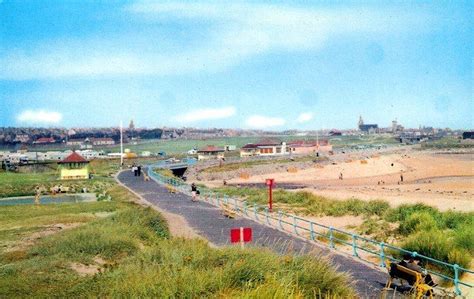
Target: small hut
74	167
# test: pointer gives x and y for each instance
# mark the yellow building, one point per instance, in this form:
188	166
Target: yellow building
74	167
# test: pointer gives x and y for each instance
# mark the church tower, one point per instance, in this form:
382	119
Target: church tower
361	121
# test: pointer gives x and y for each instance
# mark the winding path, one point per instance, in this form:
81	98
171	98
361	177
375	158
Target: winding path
209	223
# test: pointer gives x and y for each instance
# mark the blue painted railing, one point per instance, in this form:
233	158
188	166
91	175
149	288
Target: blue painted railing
357	242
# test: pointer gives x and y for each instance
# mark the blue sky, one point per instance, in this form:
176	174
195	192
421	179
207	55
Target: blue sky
269	65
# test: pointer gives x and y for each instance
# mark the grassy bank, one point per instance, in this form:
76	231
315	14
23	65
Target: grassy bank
446	236
120	249
447	143
247	164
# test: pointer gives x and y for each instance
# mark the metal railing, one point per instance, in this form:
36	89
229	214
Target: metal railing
313	231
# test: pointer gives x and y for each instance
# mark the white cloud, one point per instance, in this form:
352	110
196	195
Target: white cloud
39	117
304	117
235	32
262	122
206	114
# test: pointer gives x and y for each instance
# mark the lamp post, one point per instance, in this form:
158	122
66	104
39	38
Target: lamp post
270	183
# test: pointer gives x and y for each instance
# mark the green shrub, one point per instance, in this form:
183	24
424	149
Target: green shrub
459	256
452	220
402	212
438	245
416	222
464	237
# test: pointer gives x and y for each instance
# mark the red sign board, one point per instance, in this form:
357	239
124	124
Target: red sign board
269	182
243	234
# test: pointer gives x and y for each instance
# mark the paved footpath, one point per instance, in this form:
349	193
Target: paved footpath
208	221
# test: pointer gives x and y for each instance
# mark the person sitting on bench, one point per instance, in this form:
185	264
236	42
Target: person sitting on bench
412	263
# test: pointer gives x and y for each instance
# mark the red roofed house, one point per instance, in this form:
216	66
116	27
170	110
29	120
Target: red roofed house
74	167
44	140
210	152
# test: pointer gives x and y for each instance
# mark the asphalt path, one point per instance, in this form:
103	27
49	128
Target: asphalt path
208	221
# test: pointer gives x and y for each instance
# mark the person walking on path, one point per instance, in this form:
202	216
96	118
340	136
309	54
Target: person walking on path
134	170
401	177
139	170
197	194
193	192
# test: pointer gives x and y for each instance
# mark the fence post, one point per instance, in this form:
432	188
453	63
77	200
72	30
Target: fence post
456	279
331	237
255	211
266	215
294	225
382	255
236	205
311	230
279	219
354	246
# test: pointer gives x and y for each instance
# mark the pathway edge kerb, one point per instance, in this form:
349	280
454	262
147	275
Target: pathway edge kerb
155	207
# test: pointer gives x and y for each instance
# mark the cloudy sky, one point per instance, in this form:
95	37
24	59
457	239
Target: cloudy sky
271	65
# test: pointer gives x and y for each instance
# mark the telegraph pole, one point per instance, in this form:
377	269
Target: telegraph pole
121	145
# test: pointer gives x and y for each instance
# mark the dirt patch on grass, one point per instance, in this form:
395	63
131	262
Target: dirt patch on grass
90	269
85	270
28	241
103	214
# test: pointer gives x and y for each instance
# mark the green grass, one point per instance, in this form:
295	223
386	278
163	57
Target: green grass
139	258
447	143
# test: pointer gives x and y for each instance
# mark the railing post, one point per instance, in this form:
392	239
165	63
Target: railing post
294	225
244	204
280	215
354	245
226	199
456	279
311	230
331	237
236	206
382	255
255	211
266	215
217	199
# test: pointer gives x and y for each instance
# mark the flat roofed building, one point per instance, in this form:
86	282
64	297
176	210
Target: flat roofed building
306	147
102	141
75	141
263	148
210	152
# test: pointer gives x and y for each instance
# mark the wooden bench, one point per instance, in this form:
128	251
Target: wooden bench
227	211
413	278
